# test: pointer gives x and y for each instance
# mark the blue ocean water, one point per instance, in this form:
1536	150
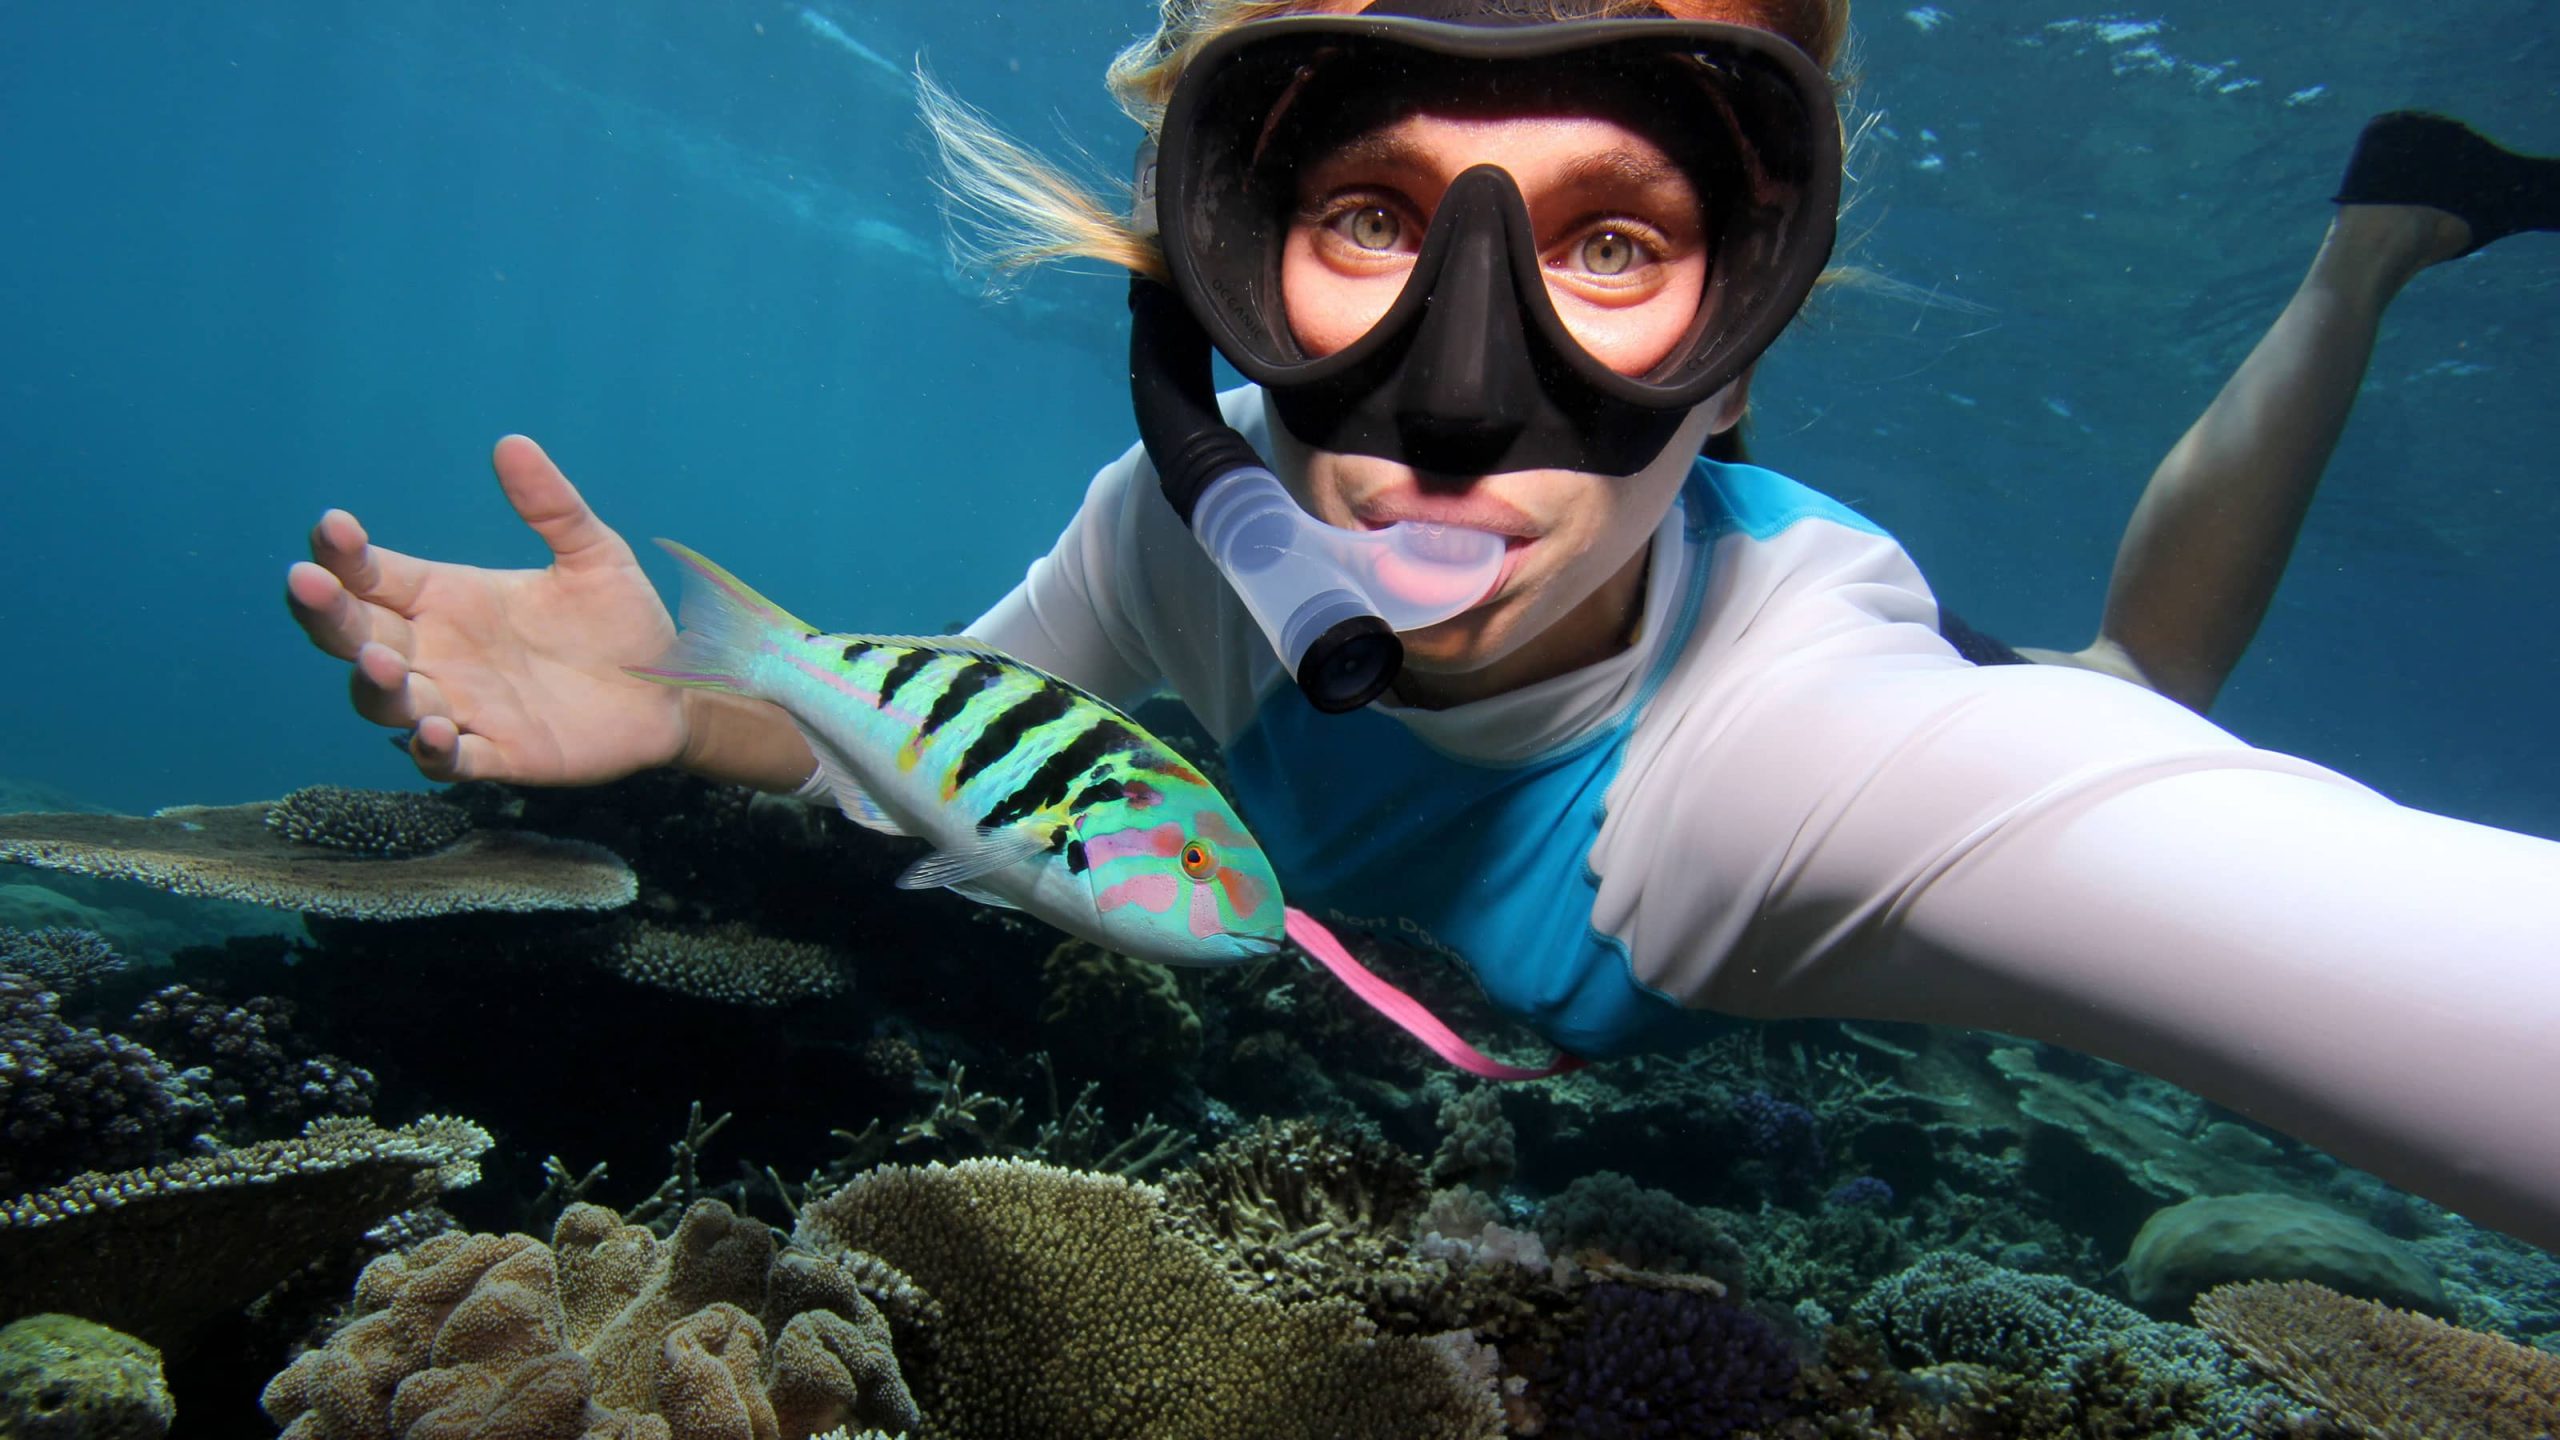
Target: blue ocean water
261	262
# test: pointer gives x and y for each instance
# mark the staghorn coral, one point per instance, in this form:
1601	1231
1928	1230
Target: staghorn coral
162	1252
1076	1309
1478	1147
1670	1363
228	853
2192	1247
73	1098
246	1060
391	824
63	957
607	1331
728	963
64	1378
2388	1374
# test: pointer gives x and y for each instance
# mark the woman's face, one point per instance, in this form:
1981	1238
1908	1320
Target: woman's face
1620	230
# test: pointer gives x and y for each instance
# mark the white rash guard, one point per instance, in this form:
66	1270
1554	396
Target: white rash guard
1791	798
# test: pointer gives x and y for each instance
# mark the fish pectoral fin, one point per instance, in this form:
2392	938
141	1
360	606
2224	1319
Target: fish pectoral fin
971	890
852	799
992	851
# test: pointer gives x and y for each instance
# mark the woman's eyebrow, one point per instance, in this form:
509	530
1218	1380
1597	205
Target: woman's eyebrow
1641	169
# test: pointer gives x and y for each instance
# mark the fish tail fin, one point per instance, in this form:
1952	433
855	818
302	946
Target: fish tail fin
725	625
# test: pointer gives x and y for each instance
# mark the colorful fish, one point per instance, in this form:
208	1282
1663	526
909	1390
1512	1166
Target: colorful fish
1034	794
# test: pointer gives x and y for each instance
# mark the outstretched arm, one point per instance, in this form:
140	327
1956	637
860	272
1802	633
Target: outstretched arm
2210	537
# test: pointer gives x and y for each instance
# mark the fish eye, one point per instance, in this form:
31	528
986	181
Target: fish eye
1199	861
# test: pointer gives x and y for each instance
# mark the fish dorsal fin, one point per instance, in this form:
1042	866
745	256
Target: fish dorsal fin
852	799
955	644
993	850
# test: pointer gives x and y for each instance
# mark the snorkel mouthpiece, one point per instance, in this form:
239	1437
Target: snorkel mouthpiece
1329	600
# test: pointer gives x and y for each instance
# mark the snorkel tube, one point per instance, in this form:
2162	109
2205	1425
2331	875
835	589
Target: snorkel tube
1330	600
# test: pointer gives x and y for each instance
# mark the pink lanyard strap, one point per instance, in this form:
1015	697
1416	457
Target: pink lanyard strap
1406	1011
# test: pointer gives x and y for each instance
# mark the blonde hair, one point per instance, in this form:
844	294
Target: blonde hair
1013	209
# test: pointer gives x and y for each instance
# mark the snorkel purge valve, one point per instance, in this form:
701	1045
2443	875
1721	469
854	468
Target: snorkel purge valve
1330	600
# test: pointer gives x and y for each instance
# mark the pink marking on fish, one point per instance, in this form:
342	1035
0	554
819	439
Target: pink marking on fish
1214	827
1154	894
1244	893
1141	795
1162	842
835	680
1205	920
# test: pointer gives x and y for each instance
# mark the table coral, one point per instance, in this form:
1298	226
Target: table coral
2388	1374
606	1332
1075	1309
162	1252
229	853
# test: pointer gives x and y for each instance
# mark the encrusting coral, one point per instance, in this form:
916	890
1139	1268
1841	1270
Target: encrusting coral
230	853
389	823
608	1331
64	1378
161	1252
2387	1374
1076	1309
729	963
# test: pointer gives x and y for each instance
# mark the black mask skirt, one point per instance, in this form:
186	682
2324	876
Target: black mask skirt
1471	370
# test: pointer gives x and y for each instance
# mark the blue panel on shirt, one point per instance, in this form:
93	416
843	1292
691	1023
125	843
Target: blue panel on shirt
1371	827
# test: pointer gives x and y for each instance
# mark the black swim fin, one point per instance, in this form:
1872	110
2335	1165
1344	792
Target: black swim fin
2410	157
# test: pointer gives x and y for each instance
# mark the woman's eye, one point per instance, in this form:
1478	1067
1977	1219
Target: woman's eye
1610	252
1371	227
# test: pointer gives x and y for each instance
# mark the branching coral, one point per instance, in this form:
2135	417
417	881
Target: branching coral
1109	1013
1077	1310
246	1059
1669	1363
2388	1374
62	957
1298	1207
730	964
163	1251
388	823
73	1098
1648	1229
608	1331
1478	1147
229	853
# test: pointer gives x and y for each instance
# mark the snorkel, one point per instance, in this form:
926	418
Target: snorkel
1471	371
1330	600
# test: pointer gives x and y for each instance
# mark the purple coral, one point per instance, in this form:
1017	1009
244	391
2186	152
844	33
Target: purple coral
1781	1132
1865	1191
266	1080
1667	1363
74	1099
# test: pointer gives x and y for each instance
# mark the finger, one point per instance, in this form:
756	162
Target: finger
387	692
444	753
371	573
546	500
337	622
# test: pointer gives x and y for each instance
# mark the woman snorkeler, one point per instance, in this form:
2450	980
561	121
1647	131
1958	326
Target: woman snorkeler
1500	267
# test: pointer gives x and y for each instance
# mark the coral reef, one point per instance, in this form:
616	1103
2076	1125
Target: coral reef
728	963
2388	1374
1298	1209
1104	1013
260	1077
162	1252
607	1331
1478	1147
1076	1309
73	1098
65	1378
2112	1365
1678	1364
229	853
2193	1246
63	957
390	824
1612	1216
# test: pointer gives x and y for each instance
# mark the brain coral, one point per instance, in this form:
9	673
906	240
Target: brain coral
607	1331
2386	1373
2190	1248
1075	1310
389	823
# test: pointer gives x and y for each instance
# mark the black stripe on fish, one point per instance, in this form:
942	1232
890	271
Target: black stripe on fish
1048	784
1005	729
902	670
854	651
966	682
1076	863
